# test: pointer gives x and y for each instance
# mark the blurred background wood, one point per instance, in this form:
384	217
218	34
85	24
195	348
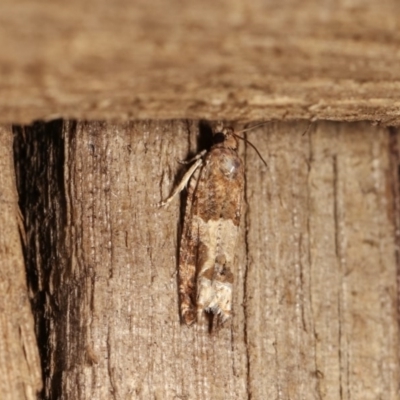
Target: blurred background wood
228	59
19	357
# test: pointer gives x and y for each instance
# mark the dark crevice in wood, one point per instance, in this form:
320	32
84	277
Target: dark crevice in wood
246	279
39	164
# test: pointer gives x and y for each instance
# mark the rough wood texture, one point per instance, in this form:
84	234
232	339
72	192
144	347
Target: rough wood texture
327	269
228	59
19	357
315	297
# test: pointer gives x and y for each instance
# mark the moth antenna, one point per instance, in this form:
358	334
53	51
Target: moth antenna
251	144
252	127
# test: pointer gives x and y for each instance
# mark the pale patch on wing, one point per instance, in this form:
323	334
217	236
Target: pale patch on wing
215	275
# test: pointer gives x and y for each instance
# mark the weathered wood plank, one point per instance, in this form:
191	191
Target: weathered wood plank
315	293
221	60
19	357
322	287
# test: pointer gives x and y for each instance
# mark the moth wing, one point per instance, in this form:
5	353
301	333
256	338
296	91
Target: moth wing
188	255
217	209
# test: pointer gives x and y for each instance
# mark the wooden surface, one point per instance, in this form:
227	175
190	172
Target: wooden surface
322	284
316	302
315	296
19	357
231	59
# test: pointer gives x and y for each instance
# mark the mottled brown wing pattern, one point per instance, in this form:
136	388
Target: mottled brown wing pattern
187	257
210	230
210	235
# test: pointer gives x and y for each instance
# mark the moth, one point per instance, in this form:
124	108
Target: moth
210	230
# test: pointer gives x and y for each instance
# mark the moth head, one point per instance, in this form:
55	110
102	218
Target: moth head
226	137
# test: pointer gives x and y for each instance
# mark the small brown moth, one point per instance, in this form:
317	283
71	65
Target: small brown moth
210	230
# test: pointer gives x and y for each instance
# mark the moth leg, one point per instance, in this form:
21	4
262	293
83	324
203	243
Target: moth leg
196	157
183	182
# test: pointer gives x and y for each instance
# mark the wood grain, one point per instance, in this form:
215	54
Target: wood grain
19	356
232	60
315	295
322	288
